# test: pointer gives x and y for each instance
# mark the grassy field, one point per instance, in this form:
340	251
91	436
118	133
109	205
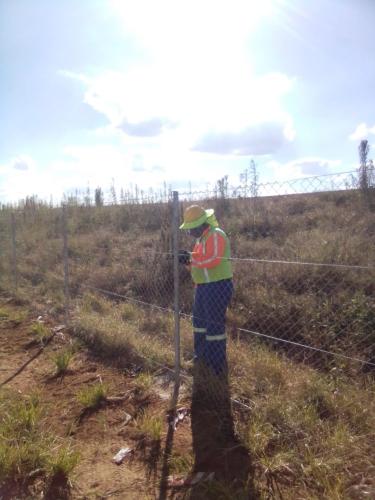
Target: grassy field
309	425
125	249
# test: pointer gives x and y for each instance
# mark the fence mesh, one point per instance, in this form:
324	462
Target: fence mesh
302	255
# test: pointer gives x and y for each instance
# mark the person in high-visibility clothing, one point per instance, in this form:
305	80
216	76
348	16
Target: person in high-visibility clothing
211	272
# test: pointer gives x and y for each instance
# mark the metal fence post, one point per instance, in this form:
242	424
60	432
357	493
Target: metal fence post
176	285
14	252
65	259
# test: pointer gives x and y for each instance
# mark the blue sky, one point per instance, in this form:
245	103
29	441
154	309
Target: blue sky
183	92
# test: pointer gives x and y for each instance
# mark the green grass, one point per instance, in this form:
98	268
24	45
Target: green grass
18	317
181	464
26	445
63	462
92	396
149	425
40	331
143	382
4	314
15	317
62	360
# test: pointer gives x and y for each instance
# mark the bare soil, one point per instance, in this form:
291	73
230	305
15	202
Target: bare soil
100	433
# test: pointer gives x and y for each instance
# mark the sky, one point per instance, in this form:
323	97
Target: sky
102	92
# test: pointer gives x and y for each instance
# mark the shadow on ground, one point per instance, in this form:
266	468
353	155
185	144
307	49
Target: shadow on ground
216	448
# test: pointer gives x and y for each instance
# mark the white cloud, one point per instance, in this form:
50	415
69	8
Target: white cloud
20	178
188	87
362	132
257	139
181	115
193	76
146	128
303	167
22	163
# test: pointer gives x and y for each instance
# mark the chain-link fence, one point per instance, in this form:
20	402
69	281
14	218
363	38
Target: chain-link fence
302	255
302	258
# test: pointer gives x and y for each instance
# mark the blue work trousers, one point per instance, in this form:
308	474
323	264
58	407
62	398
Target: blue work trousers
210	305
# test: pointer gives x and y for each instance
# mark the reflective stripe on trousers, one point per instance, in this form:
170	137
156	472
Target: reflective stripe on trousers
210	304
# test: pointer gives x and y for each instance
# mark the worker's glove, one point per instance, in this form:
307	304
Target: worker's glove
184	257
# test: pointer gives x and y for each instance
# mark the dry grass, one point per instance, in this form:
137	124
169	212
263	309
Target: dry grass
307	432
310	432
123	341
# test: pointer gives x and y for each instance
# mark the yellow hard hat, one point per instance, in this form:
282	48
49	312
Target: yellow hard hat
195	216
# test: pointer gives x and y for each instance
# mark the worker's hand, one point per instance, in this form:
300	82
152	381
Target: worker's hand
184	257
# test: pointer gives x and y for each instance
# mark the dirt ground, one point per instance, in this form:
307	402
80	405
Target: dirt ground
99	434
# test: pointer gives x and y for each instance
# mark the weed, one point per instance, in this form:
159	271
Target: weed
143	382
92	396
149	425
107	336
62	360
95	303
181	464
216	489
18	318
4	314
25	446
76	345
258	436
154	324
268	376
40	331
128	312
63	463
273	464
318	395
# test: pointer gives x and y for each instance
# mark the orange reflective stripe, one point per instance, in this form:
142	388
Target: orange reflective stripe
214	252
